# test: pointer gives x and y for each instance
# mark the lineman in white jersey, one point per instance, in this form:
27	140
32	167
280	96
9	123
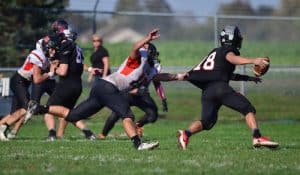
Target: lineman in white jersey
36	61
107	92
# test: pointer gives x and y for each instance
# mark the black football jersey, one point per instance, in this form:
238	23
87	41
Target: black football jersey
73	56
213	67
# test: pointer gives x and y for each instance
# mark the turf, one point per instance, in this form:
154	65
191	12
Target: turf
226	149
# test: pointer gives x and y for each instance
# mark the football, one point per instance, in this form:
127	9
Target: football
260	71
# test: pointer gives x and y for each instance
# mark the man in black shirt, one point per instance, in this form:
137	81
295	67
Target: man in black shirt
212	75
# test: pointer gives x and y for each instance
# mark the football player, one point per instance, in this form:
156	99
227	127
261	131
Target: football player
107	92
46	86
68	58
140	97
35	64
212	75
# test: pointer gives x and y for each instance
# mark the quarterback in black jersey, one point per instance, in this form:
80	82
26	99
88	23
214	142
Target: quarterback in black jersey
212	75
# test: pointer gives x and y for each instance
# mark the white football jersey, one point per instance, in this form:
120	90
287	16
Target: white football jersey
36	57
130	70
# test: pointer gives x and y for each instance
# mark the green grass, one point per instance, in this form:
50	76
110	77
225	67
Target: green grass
226	149
189	53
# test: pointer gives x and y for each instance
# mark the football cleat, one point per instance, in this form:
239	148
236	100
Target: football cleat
32	105
264	141
3	129
148	146
11	135
182	139
51	138
91	137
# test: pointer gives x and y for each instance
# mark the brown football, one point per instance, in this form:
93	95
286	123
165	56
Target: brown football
260	71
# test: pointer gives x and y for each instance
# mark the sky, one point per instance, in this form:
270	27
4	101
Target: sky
197	7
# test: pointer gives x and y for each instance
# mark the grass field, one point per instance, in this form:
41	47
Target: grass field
189	53
224	150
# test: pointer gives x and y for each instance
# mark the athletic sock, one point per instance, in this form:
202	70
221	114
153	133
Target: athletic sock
256	133
188	133
52	132
87	132
44	109
136	141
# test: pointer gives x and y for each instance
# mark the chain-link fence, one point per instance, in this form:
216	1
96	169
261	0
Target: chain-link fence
277	37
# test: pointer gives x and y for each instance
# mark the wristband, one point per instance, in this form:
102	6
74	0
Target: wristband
90	69
50	74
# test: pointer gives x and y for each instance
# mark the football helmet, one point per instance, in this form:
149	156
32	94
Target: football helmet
152	54
70	34
232	36
59	26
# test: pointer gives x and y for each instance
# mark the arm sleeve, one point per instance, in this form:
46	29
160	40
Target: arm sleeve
159	90
239	77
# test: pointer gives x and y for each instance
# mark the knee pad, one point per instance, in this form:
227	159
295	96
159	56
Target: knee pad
152	116
207	125
72	118
247	109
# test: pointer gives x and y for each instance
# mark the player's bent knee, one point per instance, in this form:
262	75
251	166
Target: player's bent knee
151	116
72	118
246	110
207	125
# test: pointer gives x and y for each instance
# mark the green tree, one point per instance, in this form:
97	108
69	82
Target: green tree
22	23
290	8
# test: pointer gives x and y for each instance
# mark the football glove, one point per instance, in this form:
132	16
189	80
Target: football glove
164	105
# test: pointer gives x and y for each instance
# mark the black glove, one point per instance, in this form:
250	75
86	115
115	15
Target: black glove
255	79
164	105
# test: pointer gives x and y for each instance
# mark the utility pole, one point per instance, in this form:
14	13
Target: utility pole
94	17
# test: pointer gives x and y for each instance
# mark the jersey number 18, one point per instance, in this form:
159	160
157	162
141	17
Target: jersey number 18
208	63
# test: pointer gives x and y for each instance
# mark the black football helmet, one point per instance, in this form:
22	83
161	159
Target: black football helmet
152	54
232	36
59	26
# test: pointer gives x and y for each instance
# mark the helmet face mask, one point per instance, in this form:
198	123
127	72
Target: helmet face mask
152	55
231	35
59	26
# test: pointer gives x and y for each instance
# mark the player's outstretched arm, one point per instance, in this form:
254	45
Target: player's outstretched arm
154	34
170	77
239	77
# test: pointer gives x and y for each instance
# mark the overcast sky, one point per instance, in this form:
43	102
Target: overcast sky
198	7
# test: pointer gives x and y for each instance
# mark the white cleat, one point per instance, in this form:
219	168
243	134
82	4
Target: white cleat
265	142
30	109
182	139
11	135
148	146
3	129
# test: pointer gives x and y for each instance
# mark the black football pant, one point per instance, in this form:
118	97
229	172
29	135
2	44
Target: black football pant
103	93
20	89
217	94
143	101
39	89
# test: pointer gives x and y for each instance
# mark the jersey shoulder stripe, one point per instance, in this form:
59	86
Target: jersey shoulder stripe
130	65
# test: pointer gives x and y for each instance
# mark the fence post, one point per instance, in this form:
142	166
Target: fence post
94	17
242	83
216	29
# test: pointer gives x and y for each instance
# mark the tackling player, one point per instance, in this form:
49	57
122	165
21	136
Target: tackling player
107	92
140	97
35	64
212	75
